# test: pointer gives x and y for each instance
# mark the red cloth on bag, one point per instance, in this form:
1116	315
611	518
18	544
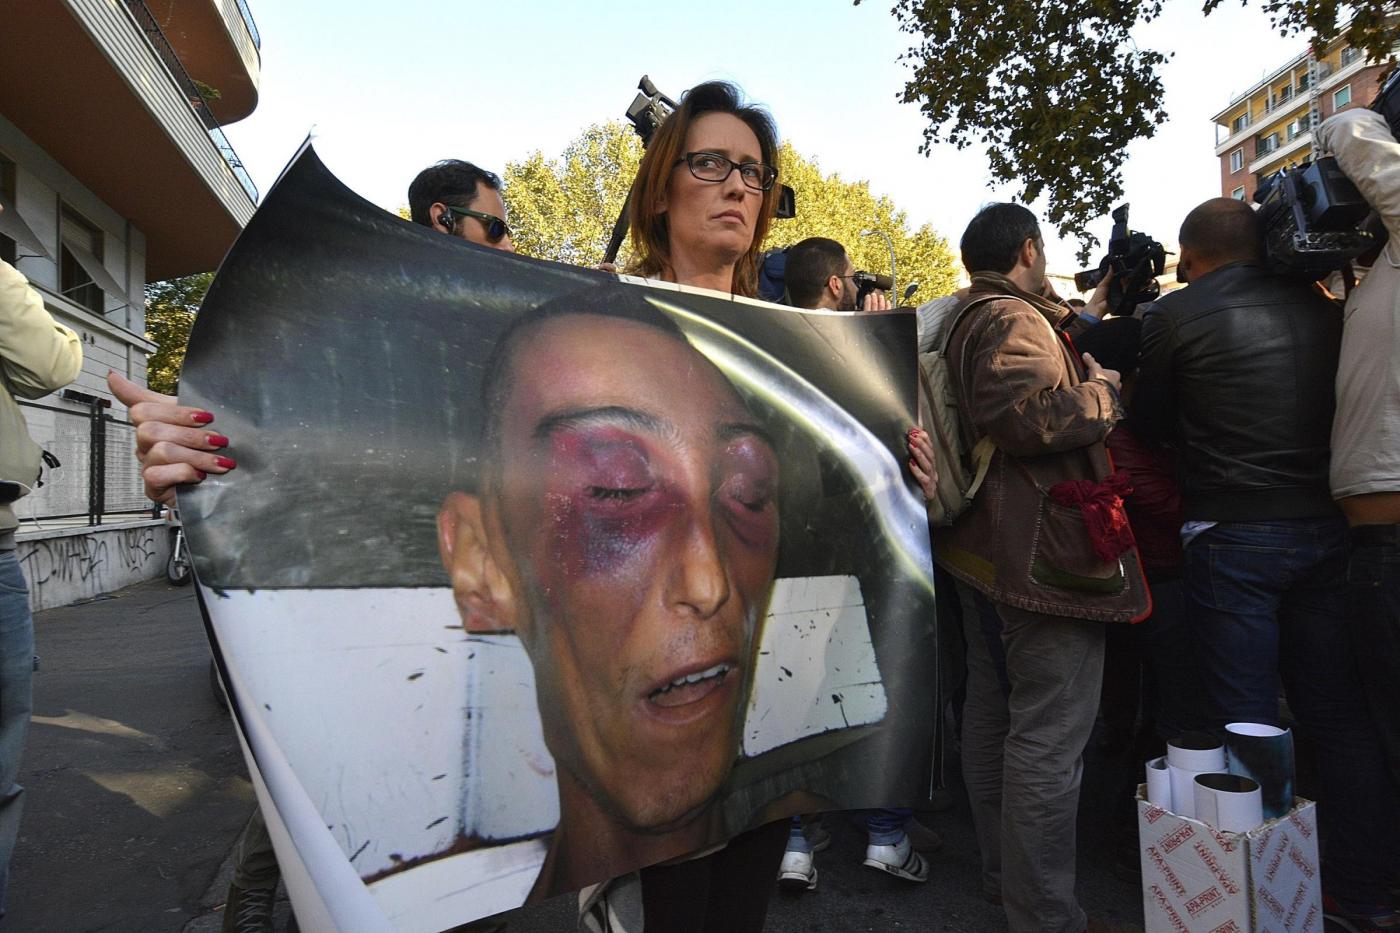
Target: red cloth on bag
1101	504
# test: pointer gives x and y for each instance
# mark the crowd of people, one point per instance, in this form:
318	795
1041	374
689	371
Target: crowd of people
1201	498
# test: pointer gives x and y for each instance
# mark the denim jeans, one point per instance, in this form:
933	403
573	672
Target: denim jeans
1032	695
884	827
1268	601
16	674
1373	591
1171	691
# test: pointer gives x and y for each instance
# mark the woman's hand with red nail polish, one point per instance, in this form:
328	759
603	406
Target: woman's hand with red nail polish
921	462
171	443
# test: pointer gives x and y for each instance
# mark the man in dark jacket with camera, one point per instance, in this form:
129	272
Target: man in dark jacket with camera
1238	372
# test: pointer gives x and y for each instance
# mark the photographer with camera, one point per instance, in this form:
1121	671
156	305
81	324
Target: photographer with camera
1365	471
1237	372
820	274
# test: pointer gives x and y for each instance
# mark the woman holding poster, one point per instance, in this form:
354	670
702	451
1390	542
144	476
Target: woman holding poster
704	198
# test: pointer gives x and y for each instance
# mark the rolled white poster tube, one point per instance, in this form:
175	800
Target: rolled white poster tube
1196	751
1183	784
1229	802
1159	783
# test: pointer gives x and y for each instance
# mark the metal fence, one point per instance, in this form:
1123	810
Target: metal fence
98	476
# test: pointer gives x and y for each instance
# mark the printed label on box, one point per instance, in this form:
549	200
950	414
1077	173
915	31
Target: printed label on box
1198	879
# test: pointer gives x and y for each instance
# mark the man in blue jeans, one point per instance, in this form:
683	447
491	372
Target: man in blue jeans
1238	372
37	356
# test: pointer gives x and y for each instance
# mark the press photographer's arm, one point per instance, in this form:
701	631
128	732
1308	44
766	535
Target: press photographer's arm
1365	468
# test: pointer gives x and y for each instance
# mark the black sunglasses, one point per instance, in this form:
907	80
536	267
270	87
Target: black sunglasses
496	228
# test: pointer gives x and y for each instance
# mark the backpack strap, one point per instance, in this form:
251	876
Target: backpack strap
982	459
983	450
962	313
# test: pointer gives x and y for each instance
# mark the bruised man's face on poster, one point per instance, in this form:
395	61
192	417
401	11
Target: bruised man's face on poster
665	643
626	529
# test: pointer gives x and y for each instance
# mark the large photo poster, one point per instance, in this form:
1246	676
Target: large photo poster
532	575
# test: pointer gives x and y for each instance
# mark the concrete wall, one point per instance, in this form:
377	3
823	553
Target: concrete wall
72	564
113	340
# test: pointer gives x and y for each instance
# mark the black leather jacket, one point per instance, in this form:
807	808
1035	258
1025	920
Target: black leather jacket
1238	372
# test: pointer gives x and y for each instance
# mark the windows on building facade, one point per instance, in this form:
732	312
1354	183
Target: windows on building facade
80	247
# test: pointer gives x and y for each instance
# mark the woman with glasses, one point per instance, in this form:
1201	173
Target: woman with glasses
706	192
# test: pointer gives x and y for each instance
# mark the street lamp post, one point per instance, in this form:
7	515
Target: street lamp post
894	279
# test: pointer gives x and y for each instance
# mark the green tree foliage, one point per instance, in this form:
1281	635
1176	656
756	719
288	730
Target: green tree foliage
1057	89
830	206
564	209
170	311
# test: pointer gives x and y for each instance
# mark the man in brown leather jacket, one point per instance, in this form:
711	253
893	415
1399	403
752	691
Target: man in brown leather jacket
1033	585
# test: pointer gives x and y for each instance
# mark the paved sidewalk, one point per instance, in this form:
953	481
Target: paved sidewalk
135	787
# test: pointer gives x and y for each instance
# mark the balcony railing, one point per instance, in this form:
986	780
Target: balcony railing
198	104
248	21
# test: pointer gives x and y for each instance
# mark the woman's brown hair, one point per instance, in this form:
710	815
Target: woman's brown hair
650	231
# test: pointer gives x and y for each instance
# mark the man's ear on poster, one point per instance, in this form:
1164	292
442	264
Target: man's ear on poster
483	594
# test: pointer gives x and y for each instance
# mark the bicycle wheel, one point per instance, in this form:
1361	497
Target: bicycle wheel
177	568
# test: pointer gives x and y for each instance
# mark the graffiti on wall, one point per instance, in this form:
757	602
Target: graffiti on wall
63	570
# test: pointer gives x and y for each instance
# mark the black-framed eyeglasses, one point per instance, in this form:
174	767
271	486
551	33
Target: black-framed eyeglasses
711	166
496	228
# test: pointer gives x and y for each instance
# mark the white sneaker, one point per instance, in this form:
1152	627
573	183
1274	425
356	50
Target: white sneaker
899	860
798	871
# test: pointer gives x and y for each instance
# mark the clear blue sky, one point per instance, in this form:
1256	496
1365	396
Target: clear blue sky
390	88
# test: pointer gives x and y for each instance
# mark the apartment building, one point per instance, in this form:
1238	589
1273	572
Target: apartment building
1269	126
114	172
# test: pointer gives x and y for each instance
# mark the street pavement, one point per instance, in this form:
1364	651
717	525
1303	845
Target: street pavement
136	791
134	784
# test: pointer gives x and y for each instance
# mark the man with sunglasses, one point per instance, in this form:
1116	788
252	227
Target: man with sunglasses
462	200
820	274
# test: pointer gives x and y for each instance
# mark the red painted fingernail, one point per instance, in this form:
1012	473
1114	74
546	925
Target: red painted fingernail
201	417
911	463
226	462
216	440
200	473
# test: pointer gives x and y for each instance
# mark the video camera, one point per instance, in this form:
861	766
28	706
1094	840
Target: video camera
1314	218
1135	259
867	282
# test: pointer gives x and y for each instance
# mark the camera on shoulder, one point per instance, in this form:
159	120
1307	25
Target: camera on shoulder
1314	217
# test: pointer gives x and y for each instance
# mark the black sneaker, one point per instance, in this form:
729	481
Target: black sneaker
248	910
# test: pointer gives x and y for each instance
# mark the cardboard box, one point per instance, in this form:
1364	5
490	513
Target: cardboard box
1198	880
